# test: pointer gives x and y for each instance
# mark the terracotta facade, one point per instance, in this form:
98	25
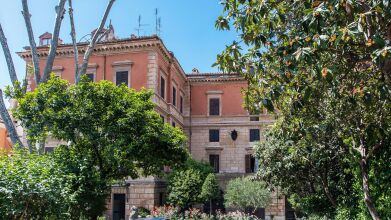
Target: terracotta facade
148	62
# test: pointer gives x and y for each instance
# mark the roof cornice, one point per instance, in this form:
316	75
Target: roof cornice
120	45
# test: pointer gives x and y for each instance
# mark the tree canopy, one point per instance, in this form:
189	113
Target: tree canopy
325	65
244	193
187	185
108	132
116	126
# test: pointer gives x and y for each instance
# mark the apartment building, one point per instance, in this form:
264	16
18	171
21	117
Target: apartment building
208	107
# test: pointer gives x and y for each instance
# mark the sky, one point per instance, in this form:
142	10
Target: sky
187	27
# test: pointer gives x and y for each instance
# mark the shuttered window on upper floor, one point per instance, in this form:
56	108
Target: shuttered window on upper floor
214	106
254	135
214	135
162	87
122	77
174	96
90	76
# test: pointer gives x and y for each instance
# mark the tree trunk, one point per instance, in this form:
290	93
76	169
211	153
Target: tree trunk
365	182
93	42
210	207
9	124
8	57
73	36
33	46
54	42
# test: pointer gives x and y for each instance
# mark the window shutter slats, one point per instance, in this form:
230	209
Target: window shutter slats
214	106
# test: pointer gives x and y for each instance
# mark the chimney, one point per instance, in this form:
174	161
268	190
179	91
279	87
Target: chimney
46	39
195	71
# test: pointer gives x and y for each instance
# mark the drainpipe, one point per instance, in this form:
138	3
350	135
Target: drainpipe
104	67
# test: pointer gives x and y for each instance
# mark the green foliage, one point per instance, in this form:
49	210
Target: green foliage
85	192
210	188
57	186
326	67
30	187
184	188
143	212
115	125
185	184
111	133
243	193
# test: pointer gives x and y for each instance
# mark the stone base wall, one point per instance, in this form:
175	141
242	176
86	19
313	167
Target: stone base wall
146	192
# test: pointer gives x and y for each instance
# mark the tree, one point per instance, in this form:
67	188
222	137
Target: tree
339	50
185	183
244	193
111	133
56	186
60	11
311	170
184	188
210	190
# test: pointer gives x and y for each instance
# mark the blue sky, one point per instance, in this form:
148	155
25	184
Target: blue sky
187	27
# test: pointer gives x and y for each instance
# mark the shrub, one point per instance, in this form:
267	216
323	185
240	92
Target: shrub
243	193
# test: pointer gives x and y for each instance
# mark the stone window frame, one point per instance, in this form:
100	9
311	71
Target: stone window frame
213	94
91	69
121	66
58	70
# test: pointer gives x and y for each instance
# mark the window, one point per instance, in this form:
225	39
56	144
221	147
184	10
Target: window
122	77
181	104
254	135
214	106
214	161
251	165
46	41
173	124
214	135
174	96
90	76
162	117
162	87
254	118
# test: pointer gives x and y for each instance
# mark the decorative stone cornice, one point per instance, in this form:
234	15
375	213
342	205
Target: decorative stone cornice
215	77
122	63
115	46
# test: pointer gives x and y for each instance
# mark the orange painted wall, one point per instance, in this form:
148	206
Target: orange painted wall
138	70
173	75
231	99
4	143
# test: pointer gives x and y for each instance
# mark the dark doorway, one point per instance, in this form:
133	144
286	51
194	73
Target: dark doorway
119	207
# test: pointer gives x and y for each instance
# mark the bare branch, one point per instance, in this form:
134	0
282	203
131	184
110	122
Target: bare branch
9	125
73	36
53	46
33	46
93	42
8	58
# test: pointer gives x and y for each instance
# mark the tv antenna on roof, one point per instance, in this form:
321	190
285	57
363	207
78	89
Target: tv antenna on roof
158	23
140	26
